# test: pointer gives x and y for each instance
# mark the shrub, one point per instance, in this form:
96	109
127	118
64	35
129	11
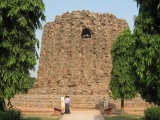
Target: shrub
11	114
152	113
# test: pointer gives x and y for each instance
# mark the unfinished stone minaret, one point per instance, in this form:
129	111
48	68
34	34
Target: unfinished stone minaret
75	56
75	59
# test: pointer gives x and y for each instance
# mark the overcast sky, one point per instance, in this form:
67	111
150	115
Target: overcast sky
125	9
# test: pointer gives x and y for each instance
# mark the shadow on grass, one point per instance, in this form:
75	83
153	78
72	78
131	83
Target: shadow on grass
124	117
32	118
40	117
116	115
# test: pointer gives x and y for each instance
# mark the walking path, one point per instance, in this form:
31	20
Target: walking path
79	114
91	114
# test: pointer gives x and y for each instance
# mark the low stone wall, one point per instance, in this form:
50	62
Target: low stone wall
77	101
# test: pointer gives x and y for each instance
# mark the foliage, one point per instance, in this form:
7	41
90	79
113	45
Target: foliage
19	20
148	19
152	113
147	50
11	114
147	67
40	117
32	80
122	82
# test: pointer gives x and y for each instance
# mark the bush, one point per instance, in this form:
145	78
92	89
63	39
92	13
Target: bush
11	114
152	113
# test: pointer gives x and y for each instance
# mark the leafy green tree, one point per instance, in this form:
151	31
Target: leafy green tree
122	80
32	80
147	50
19	20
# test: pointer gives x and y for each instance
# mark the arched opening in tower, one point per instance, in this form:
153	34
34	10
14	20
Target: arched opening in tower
86	33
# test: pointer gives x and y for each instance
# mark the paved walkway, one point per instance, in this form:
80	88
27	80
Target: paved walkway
91	114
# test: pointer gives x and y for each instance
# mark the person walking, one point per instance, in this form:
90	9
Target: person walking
67	105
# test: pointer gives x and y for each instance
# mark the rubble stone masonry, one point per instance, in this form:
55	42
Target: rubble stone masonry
75	60
75	57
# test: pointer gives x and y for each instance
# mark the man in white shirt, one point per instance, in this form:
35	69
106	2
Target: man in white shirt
67	103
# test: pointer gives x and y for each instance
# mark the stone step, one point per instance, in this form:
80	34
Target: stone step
77	101
50	101
36	110
82	106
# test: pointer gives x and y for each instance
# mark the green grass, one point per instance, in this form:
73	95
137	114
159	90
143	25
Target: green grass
124	117
40	117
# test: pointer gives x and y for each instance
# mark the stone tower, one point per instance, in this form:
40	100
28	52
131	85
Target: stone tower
75	56
75	60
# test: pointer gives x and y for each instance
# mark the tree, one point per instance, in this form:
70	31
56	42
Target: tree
122	80
147	50
19	20
32	80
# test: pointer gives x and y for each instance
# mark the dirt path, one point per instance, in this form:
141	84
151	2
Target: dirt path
91	114
79	114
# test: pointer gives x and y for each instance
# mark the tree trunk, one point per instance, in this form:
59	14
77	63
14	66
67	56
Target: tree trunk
2	105
158	103
122	105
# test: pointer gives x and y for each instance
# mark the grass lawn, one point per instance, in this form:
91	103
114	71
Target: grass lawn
40	117
124	117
